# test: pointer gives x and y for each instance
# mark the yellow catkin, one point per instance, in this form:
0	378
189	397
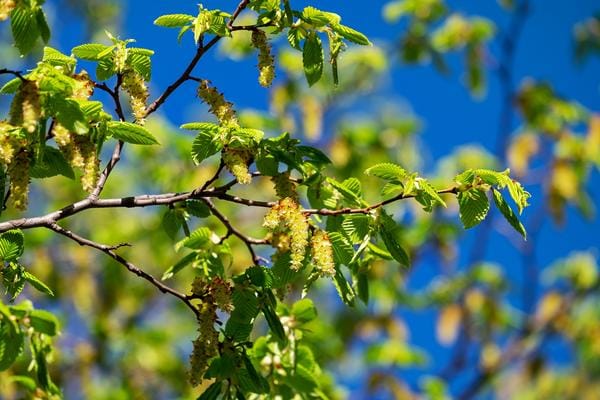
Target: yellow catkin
134	85
10	143
120	58
6	6
284	187
18	171
84	87
322	253
205	346
89	161
287	216
218	106
266	61
30	105
236	161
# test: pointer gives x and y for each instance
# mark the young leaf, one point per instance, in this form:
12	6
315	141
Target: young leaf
473	207
36	283
179	265
89	51
11	340
387	231
313	58
25	29
342	250
44	322
387	171
131	133
204	146
197	239
508	213
173	20
343	288
274	324
352	35
212	392
53	163
426	187
11	245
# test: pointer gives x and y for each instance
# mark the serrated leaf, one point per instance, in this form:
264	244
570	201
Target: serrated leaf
56	58
204	146
508	213
342	249
274	324
313	59
37	283
42	24
350	34
387	171
171	222
314	16
11	245
212	392
196	240
11	341
426	187
173	20
348	194
207	127
25	29
89	51
343	288
131	133
141	64
473	207
294	37
388	235
105	69
53	163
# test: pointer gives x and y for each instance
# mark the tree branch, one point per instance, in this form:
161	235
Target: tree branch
110	250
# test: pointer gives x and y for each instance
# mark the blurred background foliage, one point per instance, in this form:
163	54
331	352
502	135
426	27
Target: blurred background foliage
485	331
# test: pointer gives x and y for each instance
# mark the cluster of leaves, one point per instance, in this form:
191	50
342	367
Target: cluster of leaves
303	29
434	32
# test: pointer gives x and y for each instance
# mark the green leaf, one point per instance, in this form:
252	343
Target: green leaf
274	324
11	245
387	231
105	69
342	249
261	385
197	208
44	322
196	240
11	87
294	37
53	163
473	207
426	187
25	28
508	213
304	310
56	58
37	283
171	222
204	146
343	288
179	265
387	171
207	127
212	392
173	20
352	35
260	276
141	64
131	133
89	51
312	58
42	24
314	16
11	340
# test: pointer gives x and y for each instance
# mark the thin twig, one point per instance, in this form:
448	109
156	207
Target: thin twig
110	250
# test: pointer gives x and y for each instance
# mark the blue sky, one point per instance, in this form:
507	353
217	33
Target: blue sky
450	115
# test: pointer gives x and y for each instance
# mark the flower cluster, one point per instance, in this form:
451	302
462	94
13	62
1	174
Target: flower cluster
205	346
237	161
25	109
6	6
18	170
79	150
133	83
322	253
218	106
284	187
286	216
266	61
11	141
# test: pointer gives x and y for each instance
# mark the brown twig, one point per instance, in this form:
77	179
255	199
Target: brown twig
110	250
